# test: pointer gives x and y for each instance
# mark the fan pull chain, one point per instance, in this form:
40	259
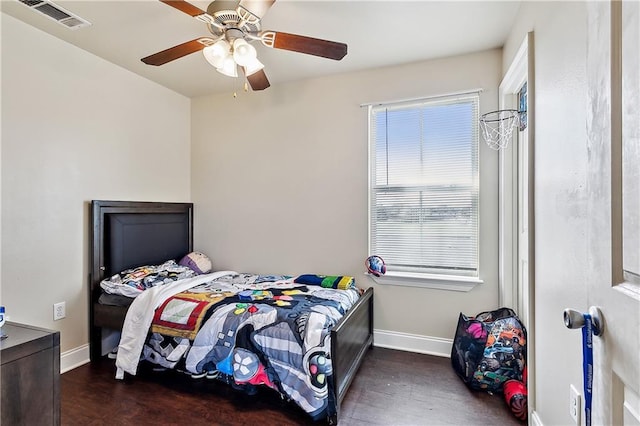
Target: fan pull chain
245	87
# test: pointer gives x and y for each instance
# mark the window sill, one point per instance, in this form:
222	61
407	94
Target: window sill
441	282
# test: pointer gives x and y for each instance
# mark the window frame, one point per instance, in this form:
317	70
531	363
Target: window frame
407	276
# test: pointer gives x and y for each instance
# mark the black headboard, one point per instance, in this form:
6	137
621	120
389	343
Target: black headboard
127	234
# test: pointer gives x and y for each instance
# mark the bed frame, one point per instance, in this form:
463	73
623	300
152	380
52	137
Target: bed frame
127	234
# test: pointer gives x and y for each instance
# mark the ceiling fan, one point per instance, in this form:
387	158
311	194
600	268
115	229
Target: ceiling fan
234	26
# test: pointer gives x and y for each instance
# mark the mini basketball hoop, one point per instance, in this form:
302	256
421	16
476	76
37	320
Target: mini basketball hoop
497	127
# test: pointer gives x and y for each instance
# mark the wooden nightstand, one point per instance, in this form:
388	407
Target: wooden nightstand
29	376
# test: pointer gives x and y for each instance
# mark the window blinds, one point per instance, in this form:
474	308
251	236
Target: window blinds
424	185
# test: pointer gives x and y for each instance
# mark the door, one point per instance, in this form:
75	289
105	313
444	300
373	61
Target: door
613	225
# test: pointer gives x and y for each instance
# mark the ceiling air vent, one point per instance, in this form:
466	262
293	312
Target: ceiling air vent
58	14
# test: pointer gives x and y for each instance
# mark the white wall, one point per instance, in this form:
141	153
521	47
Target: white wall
560	30
279	181
75	128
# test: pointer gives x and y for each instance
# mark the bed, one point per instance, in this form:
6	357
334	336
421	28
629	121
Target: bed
128	234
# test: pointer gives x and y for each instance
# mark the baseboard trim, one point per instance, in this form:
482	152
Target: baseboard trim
413	343
74	358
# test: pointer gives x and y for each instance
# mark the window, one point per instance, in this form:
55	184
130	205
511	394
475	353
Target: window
424	187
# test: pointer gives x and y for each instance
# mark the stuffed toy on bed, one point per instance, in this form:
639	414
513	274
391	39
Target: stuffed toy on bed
197	261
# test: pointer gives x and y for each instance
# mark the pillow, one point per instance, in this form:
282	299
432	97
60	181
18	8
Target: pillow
132	282
326	281
197	261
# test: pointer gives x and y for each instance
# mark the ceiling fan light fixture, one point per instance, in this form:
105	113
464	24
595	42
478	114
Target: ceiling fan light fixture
235	25
253	67
217	53
243	52
228	67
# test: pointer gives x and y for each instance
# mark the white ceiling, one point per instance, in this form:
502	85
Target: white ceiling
378	34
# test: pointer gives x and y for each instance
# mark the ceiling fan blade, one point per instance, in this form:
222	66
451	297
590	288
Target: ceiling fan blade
177	52
303	44
185	7
258	80
258	8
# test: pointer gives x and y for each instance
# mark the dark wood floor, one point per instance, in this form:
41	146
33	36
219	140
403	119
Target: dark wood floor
391	388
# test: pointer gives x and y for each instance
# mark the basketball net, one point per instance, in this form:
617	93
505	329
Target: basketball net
497	127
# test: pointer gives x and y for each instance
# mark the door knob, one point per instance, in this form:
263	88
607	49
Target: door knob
575	319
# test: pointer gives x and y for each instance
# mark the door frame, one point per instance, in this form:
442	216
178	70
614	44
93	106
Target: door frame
520	71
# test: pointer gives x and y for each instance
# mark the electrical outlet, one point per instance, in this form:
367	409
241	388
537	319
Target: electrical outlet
59	311
574	404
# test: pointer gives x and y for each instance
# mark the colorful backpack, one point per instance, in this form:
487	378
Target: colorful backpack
489	349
